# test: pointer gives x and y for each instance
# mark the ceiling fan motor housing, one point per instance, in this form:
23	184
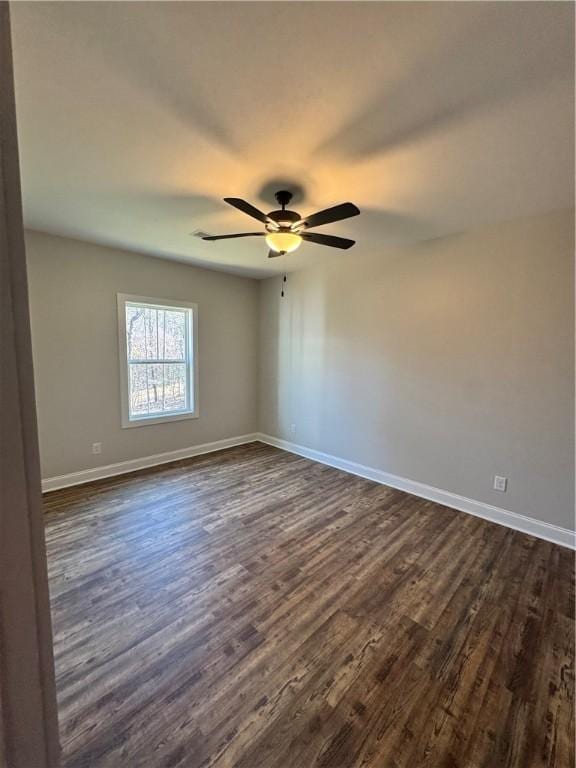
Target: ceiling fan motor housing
284	218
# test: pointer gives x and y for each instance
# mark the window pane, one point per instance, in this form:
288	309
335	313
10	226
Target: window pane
156	388
142	333
135	333
175	335
155	334
175	387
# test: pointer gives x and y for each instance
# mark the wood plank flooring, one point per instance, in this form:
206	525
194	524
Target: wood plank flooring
253	609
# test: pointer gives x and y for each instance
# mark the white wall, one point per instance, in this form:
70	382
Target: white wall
73	287
445	363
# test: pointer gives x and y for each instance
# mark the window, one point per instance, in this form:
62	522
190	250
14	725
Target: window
158	360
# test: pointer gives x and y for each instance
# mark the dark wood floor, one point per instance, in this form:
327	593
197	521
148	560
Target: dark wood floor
254	609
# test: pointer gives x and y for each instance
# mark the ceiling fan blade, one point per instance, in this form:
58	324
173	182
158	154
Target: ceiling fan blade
249	209
331	240
240	234
330	215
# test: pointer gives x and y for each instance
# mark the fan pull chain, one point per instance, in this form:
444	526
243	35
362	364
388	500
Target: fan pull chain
284	281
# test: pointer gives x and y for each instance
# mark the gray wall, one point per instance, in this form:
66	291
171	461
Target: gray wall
446	363
73	287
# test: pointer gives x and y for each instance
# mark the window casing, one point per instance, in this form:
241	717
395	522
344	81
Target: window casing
158	360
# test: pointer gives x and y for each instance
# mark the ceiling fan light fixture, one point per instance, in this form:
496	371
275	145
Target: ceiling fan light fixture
283	242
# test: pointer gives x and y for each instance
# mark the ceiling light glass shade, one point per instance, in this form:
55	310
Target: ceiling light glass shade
283	242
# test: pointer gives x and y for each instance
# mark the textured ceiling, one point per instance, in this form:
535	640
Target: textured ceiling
135	119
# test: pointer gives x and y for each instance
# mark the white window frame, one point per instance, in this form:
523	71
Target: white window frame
191	355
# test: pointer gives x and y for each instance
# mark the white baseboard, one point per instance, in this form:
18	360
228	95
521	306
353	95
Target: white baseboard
562	536
122	467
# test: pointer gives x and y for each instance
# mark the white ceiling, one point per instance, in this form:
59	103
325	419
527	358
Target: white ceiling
135	119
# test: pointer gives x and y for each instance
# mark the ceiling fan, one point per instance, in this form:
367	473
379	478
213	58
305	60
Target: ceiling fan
285	230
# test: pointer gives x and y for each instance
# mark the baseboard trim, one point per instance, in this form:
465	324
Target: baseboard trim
123	467
562	536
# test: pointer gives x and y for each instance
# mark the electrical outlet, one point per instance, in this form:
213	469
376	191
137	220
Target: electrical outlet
96	448
500	483
293	428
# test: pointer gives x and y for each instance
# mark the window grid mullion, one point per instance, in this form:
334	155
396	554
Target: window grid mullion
159	361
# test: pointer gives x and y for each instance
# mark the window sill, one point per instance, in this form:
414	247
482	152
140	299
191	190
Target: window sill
148	421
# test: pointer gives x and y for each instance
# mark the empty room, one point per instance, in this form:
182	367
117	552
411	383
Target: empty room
287	462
